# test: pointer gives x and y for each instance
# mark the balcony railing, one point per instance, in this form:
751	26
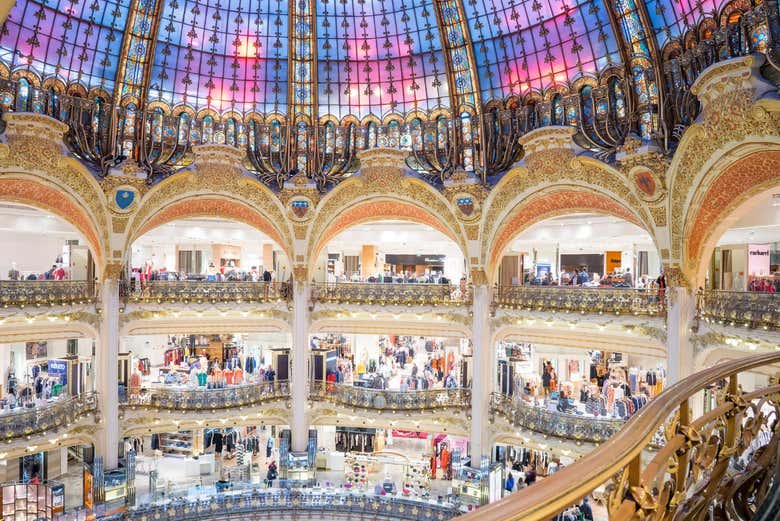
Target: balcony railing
39	293
24	421
201	399
561	425
384	400
279	504
205	291
740	308
390	294
721	462
580	300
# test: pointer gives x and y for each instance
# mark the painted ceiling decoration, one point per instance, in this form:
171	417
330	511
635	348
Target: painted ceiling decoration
303	86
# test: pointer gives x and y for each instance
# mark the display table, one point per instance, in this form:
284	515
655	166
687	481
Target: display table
330	460
202	466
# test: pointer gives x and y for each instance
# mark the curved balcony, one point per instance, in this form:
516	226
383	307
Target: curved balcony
383	400
580	300
206	399
561	425
723	460
24	421
275	504
205	291
740	308
39	293
390	294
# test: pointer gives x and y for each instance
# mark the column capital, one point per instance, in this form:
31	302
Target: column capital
220	159
478	277
382	164
727	78
42	131
300	273
113	270
675	278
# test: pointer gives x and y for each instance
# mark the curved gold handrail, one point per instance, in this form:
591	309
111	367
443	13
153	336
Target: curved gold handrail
544	500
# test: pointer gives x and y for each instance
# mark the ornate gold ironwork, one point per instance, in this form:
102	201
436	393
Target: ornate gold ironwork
561	425
201	291
391	294
201	399
720	461
580	300
739	308
380	399
24	421
46	293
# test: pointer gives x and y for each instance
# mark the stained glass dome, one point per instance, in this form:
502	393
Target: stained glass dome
454	82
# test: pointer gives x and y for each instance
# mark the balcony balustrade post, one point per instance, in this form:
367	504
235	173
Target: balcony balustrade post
300	351
107	356
681	312
483	371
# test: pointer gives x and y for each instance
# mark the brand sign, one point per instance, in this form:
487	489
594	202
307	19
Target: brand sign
614	261
758	259
59	368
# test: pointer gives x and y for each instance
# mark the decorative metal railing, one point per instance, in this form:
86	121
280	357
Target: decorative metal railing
580	300
46	293
561	425
390	294
262	503
24	421
204	291
385	400
718	464
201	399
739	308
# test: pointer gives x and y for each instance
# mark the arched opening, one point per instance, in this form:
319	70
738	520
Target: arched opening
199	248
745	255
384	250
38	245
614	252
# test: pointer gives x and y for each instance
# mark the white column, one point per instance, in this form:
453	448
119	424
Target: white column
299	380
680	314
482	374
107	356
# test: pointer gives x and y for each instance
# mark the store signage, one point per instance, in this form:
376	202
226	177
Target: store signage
59	368
758	259
614	261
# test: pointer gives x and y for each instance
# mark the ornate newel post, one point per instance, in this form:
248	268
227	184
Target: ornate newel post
299	381
482	375
107	355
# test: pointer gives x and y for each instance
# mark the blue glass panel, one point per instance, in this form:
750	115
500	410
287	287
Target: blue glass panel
77	41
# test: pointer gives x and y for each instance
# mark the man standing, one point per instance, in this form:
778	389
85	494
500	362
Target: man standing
628	278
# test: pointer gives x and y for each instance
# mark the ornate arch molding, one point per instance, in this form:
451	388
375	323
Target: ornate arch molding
727	186
548	203
55	199
362	200
35	154
228	195
552	170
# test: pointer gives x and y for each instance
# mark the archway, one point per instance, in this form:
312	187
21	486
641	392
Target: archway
739	196
39	244
52	201
549	205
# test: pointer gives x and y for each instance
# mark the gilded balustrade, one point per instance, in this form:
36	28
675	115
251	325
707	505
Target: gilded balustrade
561	425
390	294
205	291
39	293
722	460
24	421
580	300
739	308
277	504
385	400
202	399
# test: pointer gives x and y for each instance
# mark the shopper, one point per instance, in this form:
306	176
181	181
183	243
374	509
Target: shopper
546	377
272	473
530	476
587	511
510	483
628	278
583	277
